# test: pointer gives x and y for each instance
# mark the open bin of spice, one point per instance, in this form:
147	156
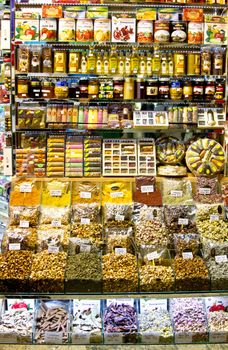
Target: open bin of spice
52	321
155	325
16	323
86	326
217	318
189	320
120	321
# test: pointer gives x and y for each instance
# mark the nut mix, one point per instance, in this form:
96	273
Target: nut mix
218	273
156	278
207	190
30	214
55	216
89	211
189	242
25	237
92	231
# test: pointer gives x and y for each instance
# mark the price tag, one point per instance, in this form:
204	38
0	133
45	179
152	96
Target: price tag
187	255
221	258
175	193
120	301
182	338
147	189
56	223
152	256
8	338
119	217
85	221
204	190
85	248
56	193
120	251
113	338
214	218
86	195
14	246
218	337
53	249
26	187
151	338
182	221
154	303
81	338
53	337
24	224
116	194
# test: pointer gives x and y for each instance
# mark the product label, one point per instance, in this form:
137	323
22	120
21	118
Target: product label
14	246
120	250
151	338
53	249
204	190
113	338
118	301
85	248
85	221
56	193
218	337
175	193
116	194
214	218
26	187
53	337
183	338
56	223
154	303
152	256
187	255
119	217
8	338
24	223
81	338
182	221
86	195
147	189
221	258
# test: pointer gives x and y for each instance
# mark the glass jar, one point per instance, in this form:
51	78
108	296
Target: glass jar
152	89
218	62
163	89
35	89
83	85
118	88
219	90
176	90
209	90
74	90
140	89
93	89
61	89
47	61
129	90
47	89
198	90
187	90
22	88
206	62
35	61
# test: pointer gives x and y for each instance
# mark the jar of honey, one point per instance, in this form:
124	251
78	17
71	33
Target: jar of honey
23	88
61	89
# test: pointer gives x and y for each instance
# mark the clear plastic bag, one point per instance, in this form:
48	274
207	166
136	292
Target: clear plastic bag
209	211
55	216
81	245
177	191
85	192
186	243
20	239
207	190
30	215
56	192
180	219
91	231
117	212
212	248
52	239
89	211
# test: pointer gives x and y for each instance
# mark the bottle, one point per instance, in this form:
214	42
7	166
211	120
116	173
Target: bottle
219	90
142	64
170	64
121	64
84	63
206	63
99	64
149	64
134	62
127	65
209	90
113	60
156	63
106	63
198	90
91	61
129	89
74	59
218	59
164	65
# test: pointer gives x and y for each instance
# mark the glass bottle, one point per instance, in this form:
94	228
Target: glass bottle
35	61
84	63
47	60
121	64
170	64
74	60
218	62
91	61
106	63
164	65
206	63
127	64
113	60
142	64
99	64
156	62
149	64
134	61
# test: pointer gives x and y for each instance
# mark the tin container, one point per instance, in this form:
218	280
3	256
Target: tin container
193	64
161	32
179	64
178	32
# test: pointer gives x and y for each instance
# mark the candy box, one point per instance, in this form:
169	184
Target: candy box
26	30
193	15
49	11
215	30
146	14
97	12
217	317
123	29
48	29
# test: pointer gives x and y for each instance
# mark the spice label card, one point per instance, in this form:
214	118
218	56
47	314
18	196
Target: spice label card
121	301
53	337
150	338
218	337
153	304
182	338
13	304
81	338
113	338
8	338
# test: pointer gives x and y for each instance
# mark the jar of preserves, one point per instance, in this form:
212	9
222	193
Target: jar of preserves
198	90
83	85
47	89
129	89
118	88
93	89
35	89
61	89
74	90
209	90
35	61
187	90
23	88
140	89
206	63
164	89
152	89
219	90
176	90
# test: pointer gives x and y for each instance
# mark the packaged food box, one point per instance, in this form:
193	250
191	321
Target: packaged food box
123	29
146	14
193	15
102	30
144	31
66	29
50	11
78	12
97	12
26	30
84	30
215	30
168	14
48	29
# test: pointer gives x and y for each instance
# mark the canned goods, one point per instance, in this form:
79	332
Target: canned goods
193	64
161	32
178	32
179	64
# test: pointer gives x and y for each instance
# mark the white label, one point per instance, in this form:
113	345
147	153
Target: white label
204	190
182	221
175	193
218	337
151	338
8	338
149	216
120	301
120	250
187	255
56	193
24	223
85	195
183	338
26	187
113	338
116	194
153	303
85	248
119	217
221	258
14	246
214	218
56	223
85	221
152	256
82	338
53	249
147	189
53	337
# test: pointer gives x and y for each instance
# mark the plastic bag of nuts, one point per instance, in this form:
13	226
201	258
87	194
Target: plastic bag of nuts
92	231
225	192
207	190
180	219
55	216
219	274
212	248
186	243
24	216
117	212
52	239
212	212
82	245
89	211
215	230
24	238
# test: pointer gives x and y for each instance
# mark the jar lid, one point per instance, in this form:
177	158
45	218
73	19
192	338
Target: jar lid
35	83
61	83
47	83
